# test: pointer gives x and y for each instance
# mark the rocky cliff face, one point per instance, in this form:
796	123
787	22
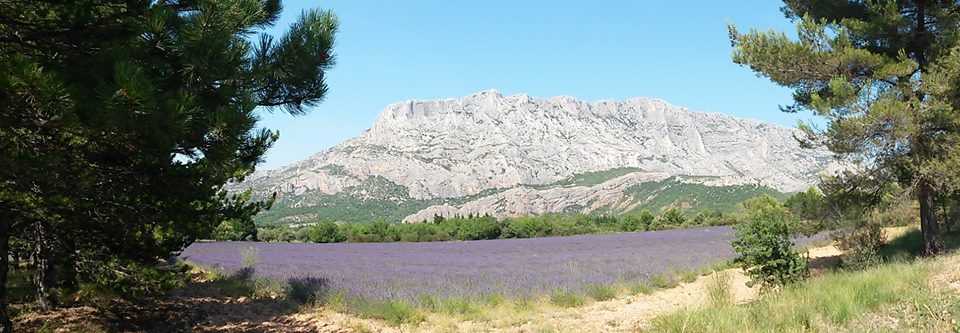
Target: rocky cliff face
438	151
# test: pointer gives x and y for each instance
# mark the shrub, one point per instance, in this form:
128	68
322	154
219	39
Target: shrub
326	232
567	299
302	235
601	292
478	228
763	242
688	276
672	218
631	222
641	288
236	230
267	235
525	227
663	281
861	246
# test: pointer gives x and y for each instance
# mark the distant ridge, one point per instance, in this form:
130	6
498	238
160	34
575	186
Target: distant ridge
425	157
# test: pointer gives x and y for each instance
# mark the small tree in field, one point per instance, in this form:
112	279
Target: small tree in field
763	242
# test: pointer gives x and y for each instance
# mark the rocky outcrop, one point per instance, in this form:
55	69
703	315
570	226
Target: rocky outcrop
453	148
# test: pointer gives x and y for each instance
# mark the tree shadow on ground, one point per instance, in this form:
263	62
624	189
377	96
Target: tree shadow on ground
234	303
824	263
230	303
907	246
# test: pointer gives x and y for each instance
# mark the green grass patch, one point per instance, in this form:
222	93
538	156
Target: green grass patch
602	292
459	307
595	178
723	265
393	312
719	290
688	276
825	303
493	299
641	288
663	281
567	299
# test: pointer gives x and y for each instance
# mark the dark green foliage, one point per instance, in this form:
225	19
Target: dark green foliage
475	228
672	192
670	219
326	232
236	229
128	279
809	208
385	200
421	232
861	246
268	234
302	234
486	227
594	178
526	227
121	121
712	218
884	75
763	242
646	219
854	217
637	222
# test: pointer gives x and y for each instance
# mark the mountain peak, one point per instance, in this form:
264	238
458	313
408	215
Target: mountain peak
451	148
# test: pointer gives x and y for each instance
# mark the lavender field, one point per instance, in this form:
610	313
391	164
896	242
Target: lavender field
512	268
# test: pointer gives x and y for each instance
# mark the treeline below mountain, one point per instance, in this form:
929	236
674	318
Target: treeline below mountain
805	207
487	227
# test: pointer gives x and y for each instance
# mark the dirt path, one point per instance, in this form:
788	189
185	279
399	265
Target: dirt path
633	313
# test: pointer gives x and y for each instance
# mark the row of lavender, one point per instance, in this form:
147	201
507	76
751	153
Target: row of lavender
513	268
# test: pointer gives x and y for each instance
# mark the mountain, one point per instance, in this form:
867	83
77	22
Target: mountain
515	155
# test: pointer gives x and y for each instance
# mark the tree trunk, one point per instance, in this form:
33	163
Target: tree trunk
45	298
5	325
932	242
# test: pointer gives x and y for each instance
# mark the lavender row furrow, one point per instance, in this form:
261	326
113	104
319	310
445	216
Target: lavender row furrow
509	267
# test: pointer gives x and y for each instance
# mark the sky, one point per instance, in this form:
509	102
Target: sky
390	51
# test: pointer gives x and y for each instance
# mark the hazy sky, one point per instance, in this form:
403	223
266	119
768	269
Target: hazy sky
389	51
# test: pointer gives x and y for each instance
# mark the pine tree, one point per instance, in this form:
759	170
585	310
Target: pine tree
884	75
121	121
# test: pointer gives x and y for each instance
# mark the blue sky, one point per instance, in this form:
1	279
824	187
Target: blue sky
389	51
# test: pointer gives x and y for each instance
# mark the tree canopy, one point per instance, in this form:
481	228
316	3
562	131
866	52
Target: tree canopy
885	75
121	121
